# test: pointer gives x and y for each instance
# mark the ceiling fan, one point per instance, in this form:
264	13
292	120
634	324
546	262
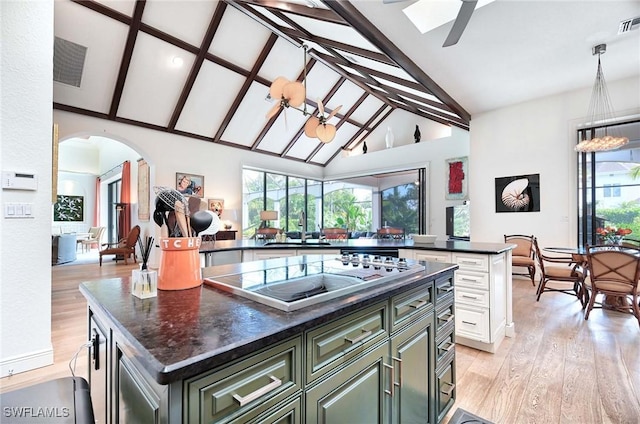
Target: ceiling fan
460	23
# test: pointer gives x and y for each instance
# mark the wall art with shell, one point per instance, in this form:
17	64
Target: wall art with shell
520	193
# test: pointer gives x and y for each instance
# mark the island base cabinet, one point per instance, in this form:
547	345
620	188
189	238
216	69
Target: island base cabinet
412	356
445	387
136	404
356	394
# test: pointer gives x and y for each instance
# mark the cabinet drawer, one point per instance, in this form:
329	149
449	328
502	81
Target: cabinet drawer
445	317
407	306
337	342
264	379
433	256
471	261
472	297
445	388
472	322
287	412
444	287
476	280
445	346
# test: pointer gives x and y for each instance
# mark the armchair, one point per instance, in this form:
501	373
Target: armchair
95	237
126	247
524	255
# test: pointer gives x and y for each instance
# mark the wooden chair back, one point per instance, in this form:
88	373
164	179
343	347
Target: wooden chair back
564	274
335	233
266	233
390	233
523	255
614	272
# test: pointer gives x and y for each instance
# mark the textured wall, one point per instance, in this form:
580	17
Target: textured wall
25	129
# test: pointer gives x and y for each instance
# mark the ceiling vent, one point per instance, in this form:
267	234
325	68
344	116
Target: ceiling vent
68	61
629	25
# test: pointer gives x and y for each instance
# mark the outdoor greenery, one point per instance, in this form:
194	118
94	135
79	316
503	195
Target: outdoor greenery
400	207
341	209
625	215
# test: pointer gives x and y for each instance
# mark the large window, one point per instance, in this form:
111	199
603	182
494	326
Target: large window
400	207
609	188
359	205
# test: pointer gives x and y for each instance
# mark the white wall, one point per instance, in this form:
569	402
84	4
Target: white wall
26	31
428	153
535	137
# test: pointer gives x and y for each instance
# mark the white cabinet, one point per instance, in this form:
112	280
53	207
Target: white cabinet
482	295
480	299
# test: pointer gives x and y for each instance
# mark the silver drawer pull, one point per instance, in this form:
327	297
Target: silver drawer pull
419	304
448	391
390	391
361	337
469	297
469	279
448	348
446	289
470	323
399	361
446	317
470	262
242	401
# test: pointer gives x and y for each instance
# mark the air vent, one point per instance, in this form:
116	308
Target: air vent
68	61
629	25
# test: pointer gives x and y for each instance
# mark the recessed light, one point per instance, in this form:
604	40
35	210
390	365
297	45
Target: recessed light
177	61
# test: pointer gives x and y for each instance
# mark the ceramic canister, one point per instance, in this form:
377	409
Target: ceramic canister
179	263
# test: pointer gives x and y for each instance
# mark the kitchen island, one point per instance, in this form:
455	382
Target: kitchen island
207	355
484	300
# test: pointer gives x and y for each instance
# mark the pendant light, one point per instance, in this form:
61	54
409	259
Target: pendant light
601	112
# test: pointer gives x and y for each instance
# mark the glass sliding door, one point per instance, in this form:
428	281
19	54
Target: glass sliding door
609	188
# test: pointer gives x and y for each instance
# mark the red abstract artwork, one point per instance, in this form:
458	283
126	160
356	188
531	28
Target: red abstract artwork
456	177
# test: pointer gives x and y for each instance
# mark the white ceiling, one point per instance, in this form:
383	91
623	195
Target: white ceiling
516	50
511	51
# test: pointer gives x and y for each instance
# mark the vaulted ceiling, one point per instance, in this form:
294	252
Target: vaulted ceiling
203	69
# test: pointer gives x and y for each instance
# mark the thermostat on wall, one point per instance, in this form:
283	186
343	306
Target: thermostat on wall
19	181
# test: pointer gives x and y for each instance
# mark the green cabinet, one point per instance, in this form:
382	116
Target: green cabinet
391	360
355	394
412	359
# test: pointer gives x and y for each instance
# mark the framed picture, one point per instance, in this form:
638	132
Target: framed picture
69	209
216	205
190	184
457	178
143	190
520	193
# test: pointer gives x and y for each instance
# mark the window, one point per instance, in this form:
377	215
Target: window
612	190
400	207
609	187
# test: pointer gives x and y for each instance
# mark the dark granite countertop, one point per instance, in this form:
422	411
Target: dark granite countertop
180	334
450	245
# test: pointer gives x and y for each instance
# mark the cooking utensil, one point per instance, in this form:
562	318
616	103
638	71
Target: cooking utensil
200	220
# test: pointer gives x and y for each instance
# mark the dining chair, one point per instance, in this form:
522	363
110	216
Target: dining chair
125	247
266	233
613	273
335	233
523	255
95	237
390	233
559	274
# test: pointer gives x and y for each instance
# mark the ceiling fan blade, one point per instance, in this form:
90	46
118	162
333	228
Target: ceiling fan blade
464	15
334	112
273	110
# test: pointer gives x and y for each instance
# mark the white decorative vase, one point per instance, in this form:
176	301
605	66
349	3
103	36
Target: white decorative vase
388	138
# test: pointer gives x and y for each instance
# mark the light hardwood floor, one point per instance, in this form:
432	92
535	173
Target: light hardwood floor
558	368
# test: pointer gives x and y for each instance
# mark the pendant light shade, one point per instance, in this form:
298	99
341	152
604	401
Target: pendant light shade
600	115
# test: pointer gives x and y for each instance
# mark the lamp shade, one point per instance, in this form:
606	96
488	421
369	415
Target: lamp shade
268	215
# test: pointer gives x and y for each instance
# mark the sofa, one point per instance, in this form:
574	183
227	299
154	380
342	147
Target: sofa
63	248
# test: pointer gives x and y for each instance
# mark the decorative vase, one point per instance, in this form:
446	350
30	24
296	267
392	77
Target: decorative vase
389	138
